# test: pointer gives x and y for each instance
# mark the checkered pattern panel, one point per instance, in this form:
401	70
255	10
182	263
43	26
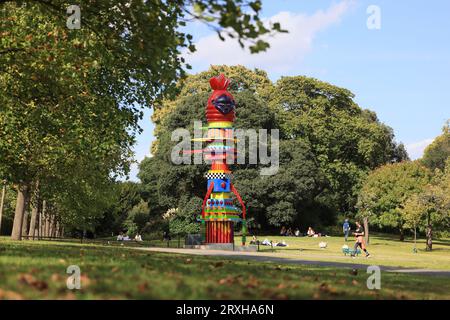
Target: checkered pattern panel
218	176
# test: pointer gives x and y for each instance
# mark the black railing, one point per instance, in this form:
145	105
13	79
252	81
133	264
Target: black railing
177	242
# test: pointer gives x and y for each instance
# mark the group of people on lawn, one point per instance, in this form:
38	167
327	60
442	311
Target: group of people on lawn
287	232
125	237
358	233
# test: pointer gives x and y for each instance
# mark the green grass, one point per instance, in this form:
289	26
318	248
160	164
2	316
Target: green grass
36	270
385	250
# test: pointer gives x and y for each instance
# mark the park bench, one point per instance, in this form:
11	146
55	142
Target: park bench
348	251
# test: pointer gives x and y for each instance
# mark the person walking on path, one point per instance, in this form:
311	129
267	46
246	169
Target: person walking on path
346	229
360	242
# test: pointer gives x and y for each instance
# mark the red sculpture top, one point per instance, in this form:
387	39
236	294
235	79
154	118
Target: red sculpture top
221	104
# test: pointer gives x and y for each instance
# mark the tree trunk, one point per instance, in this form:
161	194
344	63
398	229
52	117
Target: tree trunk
366	229
54	227
40	225
34	214
22	200
51	225
26	214
415	239
43	213
57	229
429	238
47	224
402	235
2	202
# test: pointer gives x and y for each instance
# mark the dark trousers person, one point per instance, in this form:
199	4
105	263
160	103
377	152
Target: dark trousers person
346	233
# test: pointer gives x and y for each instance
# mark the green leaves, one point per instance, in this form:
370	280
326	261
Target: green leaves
68	97
431	206
347	141
259	46
437	153
231	19
328	146
386	189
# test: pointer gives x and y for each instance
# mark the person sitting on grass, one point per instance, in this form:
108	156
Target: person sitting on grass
297	232
254	240
289	233
120	236
360	242
283	231
138	238
310	232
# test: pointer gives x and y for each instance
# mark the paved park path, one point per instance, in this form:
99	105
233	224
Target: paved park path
256	256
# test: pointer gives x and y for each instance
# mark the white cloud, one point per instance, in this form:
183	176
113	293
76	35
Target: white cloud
416	149
287	50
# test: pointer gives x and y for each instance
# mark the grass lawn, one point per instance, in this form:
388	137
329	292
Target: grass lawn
384	250
37	270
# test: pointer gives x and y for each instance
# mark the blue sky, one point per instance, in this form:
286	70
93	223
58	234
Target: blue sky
401	71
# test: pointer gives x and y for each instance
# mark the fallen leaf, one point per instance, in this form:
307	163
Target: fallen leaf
85	281
326	288
281	286
280	296
56	277
10	295
228	280
252	282
69	296
222	296
28	279
143	287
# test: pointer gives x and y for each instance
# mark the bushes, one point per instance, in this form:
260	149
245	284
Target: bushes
184	220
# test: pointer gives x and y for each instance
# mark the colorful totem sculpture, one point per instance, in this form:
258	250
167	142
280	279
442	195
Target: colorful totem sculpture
218	211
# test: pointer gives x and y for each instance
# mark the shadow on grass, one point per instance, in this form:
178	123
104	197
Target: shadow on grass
395	239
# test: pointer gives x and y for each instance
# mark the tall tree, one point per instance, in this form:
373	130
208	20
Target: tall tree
328	146
2	203
386	189
70	94
429	210
346	140
437	153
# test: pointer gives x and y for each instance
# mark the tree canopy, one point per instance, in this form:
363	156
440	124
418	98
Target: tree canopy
71	99
437	153
328	146
386	190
